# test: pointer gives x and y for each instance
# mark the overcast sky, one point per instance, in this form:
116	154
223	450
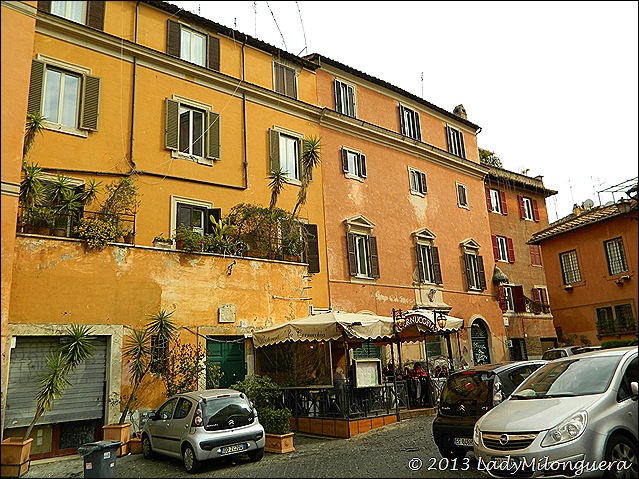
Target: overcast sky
553	85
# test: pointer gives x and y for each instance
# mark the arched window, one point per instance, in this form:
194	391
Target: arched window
479	337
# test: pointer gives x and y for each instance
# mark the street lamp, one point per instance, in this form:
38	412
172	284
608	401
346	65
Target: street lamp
441	320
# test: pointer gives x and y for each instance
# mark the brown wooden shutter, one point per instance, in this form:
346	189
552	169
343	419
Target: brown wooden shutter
489	203
511	250
90	103
519	299
535	210
344	153
171	124
502	299
312	250
213	136
352	258
95	14
420	263
173	39
449	138
468	271
45	6
291	87
504	206
36	85
535	294
437	269
544	298
274	150
493	238
481	273
362	166
522	209
213	53
338	98
402	127
417	126
535	255
372	247
422	180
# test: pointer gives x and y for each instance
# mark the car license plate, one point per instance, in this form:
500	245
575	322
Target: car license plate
233	448
463	441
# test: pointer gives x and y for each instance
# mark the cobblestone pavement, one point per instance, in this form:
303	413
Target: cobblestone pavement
389	451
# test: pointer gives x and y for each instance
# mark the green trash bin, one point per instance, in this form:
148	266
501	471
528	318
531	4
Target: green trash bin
99	457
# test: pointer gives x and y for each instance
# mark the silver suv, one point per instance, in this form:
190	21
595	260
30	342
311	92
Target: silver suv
202	425
575	416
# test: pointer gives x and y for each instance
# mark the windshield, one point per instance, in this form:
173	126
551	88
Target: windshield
470	390
577	377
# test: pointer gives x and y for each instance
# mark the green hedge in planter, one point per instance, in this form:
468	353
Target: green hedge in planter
275	421
617	343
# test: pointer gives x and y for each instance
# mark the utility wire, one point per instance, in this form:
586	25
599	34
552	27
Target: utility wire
303	32
278	27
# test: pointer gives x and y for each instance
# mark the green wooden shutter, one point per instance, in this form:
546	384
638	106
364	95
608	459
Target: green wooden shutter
352	258
401	120
44	6
312	251
213	53
372	246
418	128
274	150
481	273
95	14
213	136
172	117
344	160
173	39
90	103
36	85
468	271
338	98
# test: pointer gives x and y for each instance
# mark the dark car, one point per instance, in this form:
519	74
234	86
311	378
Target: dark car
468	395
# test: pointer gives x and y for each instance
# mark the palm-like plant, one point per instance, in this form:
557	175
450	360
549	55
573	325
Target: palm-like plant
278	181
91	191
77	348
310	160
34	126
31	186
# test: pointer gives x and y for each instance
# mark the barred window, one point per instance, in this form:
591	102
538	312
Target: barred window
570	267
615	319
159	348
616	256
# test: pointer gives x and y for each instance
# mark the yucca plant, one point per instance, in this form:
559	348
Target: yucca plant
34	127
311	158
278	181
31	186
77	347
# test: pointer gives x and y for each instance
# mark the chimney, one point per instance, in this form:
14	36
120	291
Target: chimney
460	111
577	209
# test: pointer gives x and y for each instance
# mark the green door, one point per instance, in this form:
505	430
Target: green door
229	356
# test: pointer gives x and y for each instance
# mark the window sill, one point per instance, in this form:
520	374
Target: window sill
362	279
352	176
66	129
195	159
417	193
465	207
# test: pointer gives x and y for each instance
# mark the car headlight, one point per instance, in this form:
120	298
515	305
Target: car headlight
476	434
567	430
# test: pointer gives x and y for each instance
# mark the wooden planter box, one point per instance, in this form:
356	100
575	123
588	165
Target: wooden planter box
118	432
135	444
15	456
279	443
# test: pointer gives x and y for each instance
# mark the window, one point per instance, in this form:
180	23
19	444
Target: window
428	266
362	248
192	46
512	299
462	197
66	95
183	408
570	267
540	296
417	181
629	376
474	266
503	249
194	215
311	252
344	98
353	163
285	80
616	256
285	153
159	348
192	130
528	209
87	13
615	319
409	123
496	201
535	255
455	142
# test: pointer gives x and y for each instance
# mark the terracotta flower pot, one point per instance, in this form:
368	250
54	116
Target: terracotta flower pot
15	456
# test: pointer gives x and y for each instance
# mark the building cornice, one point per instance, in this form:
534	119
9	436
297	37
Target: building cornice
21	7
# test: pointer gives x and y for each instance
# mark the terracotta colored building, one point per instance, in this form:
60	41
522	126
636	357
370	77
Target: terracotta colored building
590	259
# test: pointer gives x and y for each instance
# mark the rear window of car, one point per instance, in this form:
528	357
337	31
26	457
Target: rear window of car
227	413
550	355
471	389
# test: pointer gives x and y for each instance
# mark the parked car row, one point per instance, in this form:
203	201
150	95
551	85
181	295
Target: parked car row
557	353
572	416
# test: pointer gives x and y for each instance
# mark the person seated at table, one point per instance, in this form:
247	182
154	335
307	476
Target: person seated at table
338	377
389	372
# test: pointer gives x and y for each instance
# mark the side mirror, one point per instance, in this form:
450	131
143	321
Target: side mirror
152	416
634	387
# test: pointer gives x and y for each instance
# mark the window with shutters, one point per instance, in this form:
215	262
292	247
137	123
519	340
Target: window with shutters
311	252
192	130
496	201
535	255
427	257
409	123
362	248
503	249
284	80
192	46
193	214
87	13
540	296
473	266
616	256
455	142
528	208
353	163
66	95
512	299
417	180
344	98
462	196
285	152
570	267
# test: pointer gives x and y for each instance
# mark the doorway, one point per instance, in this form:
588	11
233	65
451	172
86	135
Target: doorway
228	354
479	337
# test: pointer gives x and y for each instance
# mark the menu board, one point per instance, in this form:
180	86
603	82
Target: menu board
368	373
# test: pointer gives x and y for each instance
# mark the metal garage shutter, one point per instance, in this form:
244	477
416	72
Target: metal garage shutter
83	399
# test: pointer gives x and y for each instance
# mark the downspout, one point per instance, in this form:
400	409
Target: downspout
135	74
244	121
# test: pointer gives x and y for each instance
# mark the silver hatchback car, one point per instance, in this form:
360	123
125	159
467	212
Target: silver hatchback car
575	416
202	425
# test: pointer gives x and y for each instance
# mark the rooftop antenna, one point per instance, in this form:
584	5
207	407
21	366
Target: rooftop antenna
278	27
198	8
303	32
255	17
422	85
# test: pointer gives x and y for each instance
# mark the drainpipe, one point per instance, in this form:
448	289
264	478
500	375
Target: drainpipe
135	74
244	122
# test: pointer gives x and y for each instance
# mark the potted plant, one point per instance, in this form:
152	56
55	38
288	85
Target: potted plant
98	231
128	235
162	242
76	346
38	220
263	392
222	239
186	239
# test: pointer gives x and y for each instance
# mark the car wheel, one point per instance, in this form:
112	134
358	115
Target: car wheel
619	449
147	450
452	452
191	462
256	455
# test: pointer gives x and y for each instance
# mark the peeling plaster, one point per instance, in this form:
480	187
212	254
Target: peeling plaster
64	257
